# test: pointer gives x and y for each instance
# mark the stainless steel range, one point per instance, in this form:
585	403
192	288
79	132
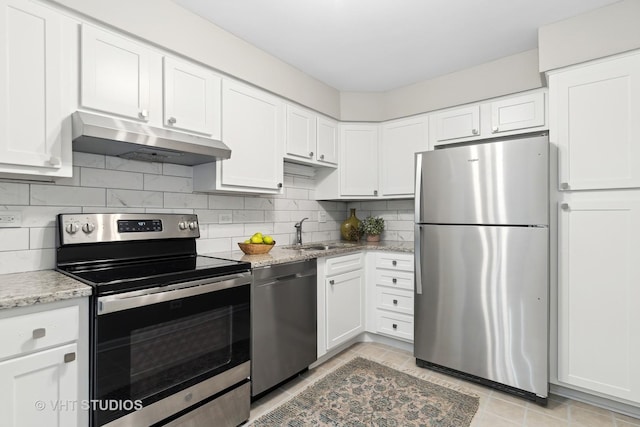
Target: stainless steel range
170	332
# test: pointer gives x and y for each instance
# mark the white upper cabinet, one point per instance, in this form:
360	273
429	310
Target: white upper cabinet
519	112
457	123
328	146
401	139
115	74
594	112
310	138
598	294
301	133
191	98
253	124
36	70
359	160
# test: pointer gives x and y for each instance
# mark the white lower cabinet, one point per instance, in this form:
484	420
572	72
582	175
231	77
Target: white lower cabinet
44	365
599	273
391	304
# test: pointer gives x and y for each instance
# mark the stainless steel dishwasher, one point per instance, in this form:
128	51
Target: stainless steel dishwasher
283	322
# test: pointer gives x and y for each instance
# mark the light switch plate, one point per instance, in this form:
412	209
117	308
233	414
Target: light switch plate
10	219
225	218
322	217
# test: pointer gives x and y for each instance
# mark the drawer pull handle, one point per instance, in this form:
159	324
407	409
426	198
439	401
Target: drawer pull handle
395	302
394	326
394	262
39	333
394	280
332	282
69	357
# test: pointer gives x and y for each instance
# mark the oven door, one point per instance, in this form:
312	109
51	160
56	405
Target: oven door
151	344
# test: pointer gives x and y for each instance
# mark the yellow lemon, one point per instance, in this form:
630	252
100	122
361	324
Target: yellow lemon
268	240
256	239
257	235
247	241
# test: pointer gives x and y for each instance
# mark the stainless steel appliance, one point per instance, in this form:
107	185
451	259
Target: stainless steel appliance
283	321
481	253
170	330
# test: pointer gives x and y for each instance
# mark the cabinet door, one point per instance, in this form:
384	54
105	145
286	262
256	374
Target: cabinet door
344	307
33	69
594	112
191	98
301	133
458	123
114	74
598	318
520	112
253	127
40	389
327	146
400	141
359	160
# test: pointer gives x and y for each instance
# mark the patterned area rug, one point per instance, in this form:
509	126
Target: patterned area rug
366	393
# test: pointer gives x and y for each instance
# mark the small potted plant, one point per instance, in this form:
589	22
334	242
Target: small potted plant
372	227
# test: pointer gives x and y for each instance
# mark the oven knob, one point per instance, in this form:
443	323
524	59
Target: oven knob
88	227
71	228
193	225
182	225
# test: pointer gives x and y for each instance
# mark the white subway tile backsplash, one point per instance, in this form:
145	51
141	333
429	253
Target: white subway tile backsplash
296	193
44	216
120	164
31	260
251	229
226	202
74	181
205	246
285	205
42	238
106	178
185	200
14	239
224	230
259	203
248	216
89	160
211	216
14	193
132	198
66	196
177	170
168	183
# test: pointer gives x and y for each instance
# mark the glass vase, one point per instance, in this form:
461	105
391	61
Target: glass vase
350	228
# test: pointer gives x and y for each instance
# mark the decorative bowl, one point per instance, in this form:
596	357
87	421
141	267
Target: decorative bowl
255	248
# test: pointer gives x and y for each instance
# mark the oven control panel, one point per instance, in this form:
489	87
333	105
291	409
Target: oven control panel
95	228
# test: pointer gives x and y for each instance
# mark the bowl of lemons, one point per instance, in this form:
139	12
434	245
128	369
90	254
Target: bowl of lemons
257	244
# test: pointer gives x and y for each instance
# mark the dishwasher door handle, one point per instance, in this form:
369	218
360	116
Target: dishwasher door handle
282	279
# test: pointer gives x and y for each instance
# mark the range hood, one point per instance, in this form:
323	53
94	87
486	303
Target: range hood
93	133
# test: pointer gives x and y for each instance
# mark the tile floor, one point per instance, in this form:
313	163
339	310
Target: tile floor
496	408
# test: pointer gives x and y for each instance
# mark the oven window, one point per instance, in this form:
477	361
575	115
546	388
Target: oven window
150	352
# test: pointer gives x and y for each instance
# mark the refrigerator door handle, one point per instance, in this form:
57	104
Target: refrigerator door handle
418	188
418	259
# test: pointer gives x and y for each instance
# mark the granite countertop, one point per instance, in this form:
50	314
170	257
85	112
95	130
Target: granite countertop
280	255
38	287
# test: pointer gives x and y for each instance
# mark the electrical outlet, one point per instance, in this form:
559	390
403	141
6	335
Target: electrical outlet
322	217
225	218
10	219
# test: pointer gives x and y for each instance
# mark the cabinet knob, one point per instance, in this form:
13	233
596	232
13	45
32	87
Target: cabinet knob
375	192
39	333
564	186
394	280
474	131
321	156
69	357
143	114
394	262
172	120
55	162
311	154
395	302
565	206
394	326
279	185
332	282
495	129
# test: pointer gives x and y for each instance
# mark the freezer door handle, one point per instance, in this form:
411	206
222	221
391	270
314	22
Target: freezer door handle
418	259
418	187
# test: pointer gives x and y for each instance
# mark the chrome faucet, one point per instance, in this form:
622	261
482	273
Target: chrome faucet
298	227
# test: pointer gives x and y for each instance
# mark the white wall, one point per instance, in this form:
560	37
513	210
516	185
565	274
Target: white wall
605	31
110	184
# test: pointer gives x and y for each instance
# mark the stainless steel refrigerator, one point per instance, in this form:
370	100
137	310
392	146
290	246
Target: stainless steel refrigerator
482	254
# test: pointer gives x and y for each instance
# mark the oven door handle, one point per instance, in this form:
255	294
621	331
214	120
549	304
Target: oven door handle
141	298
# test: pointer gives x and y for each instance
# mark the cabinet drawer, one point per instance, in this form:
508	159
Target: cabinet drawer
34	331
343	263
394	261
394	324
397	300
395	279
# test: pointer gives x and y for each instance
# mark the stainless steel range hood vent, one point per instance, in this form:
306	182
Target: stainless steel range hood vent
93	133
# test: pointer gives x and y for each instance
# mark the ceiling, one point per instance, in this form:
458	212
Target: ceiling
379	45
